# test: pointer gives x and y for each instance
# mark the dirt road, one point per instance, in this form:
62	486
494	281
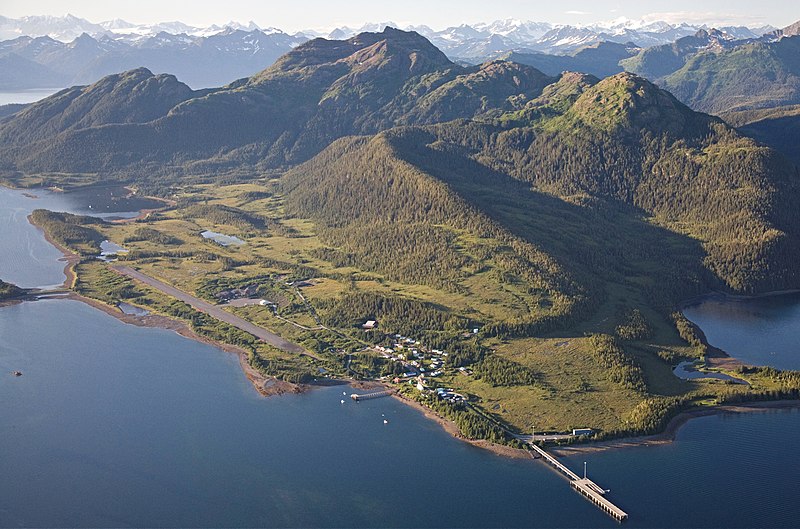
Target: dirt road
212	310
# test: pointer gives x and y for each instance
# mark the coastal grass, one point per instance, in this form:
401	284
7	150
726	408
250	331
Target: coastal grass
97	281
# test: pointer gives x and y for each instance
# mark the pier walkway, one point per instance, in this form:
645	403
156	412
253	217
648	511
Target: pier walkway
588	488
375	395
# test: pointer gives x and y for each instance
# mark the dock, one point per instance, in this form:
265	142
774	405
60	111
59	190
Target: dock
586	487
375	395
594	493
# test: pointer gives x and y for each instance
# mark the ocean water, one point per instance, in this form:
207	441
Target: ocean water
128	426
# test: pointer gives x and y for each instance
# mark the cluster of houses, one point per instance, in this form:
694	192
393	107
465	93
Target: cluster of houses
420	365
415	357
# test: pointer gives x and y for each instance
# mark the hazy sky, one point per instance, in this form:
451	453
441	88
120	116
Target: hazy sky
300	14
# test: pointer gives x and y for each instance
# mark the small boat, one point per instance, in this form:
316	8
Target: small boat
344	393
342	401
385	421
17	373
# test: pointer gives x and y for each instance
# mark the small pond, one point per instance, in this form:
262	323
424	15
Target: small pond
222	239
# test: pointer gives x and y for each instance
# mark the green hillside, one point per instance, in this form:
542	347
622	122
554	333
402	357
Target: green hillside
601	59
659	61
756	75
321	91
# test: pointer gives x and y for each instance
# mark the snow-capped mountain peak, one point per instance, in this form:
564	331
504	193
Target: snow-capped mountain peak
457	41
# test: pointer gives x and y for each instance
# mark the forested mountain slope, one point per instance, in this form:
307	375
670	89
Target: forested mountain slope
621	145
623	138
659	61
319	92
754	75
622	148
601	59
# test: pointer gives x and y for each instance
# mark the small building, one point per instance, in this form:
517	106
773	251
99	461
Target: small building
369	325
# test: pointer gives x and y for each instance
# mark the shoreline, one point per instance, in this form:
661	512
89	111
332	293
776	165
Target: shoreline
451	428
673	427
719	295
265	385
68	256
270	386
144	213
71	258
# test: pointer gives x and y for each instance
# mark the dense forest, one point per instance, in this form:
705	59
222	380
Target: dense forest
72	231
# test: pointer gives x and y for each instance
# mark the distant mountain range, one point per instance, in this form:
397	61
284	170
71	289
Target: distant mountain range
69	27
200	61
484	39
47	51
703	67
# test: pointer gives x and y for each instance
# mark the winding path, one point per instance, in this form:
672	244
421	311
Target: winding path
213	310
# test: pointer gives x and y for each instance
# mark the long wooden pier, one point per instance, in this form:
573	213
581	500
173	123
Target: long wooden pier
588	488
376	395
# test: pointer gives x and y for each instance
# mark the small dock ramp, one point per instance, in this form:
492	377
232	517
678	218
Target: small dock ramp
374	395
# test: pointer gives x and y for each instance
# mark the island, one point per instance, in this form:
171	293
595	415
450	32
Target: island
508	249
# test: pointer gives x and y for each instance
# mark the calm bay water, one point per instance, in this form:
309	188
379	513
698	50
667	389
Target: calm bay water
761	331
128	426
26	258
117	425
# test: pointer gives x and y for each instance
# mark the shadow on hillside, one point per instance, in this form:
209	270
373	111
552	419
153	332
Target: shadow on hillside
607	246
782	134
